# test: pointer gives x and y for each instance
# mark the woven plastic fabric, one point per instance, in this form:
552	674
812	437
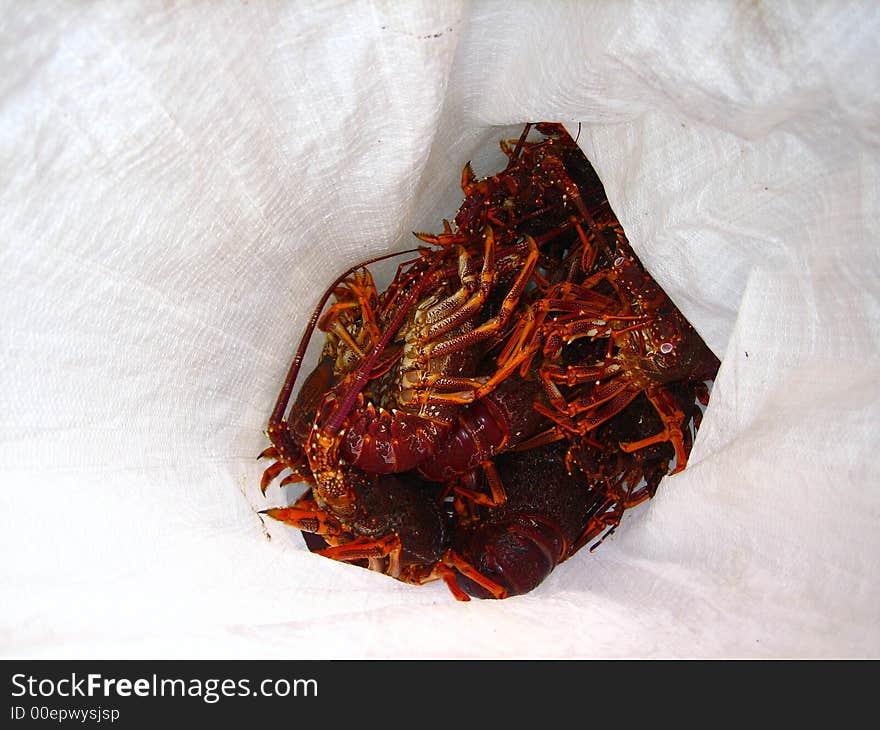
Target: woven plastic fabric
178	184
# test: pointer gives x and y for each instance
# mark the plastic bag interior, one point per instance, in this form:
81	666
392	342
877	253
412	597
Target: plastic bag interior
178	186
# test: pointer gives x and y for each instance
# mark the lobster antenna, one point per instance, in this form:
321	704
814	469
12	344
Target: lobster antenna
287	389
521	142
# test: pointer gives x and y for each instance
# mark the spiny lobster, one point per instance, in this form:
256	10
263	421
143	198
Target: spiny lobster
549	515
649	344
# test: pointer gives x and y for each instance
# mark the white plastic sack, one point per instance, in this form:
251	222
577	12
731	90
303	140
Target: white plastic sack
178	184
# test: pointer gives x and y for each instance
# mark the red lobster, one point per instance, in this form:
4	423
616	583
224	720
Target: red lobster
549	515
649	345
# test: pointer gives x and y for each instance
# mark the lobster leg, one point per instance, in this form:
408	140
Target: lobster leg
520	349
605	393
601	525
551	375
435	388
338	329
363	548
609	410
447	239
576	296
357	292
497	495
573	374
615	398
468	300
317	521
564	421
454	560
550	436
364	289
424	388
448	576
554	395
672	417
492	326
283	461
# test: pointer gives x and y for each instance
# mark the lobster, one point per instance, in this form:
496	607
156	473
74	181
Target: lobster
353	449
634	474
548	191
288	436
549	515
650	344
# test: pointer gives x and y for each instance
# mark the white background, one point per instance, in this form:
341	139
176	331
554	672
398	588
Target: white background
179	182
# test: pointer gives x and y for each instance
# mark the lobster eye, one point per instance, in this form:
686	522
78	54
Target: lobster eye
618	261
666	348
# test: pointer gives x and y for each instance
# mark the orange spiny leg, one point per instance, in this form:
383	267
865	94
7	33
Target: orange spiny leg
295	477
589	415
447	239
521	348
468	179
470	296
333	313
364	289
554	395
286	455
596	417
552	376
316	521
519	341
588	252
338	329
422	388
428	388
604	393
497	495
454	560
363	548
569	424
448	576
465	509
672	417
286	448
357	292
270	473
635	497
572	375
551	435
592	302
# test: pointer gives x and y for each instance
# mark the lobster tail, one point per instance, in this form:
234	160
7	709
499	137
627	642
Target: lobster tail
384	442
500	420
517	554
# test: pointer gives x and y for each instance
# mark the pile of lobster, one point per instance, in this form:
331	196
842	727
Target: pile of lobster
520	383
